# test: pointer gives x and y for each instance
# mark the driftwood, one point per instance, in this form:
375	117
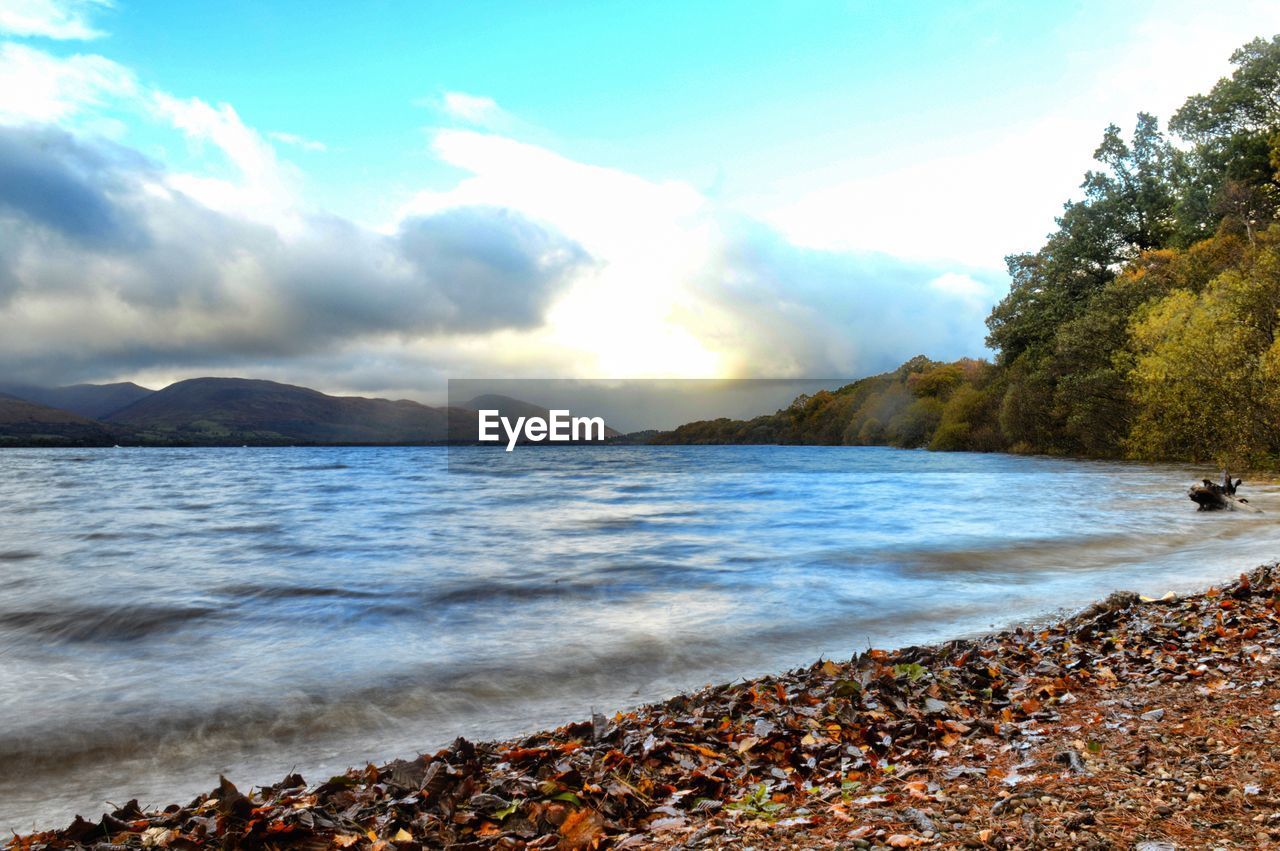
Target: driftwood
1210	496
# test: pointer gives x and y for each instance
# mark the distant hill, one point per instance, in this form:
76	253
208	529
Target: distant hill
24	423
88	400
241	410
232	411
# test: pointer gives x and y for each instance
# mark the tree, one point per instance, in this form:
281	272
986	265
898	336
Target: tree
1128	208
1136	190
1230	172
1204	377
1247	102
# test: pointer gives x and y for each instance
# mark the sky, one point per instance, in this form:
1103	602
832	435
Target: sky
371	198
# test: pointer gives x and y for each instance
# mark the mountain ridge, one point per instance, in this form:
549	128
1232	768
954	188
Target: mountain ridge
232	411
94	401
24	423
249	410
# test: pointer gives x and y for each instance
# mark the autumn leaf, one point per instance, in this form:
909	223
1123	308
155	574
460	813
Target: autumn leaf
581	828
705	751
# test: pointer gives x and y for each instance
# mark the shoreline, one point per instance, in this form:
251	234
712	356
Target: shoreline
1077	732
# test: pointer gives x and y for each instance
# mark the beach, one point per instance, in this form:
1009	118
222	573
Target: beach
1133	721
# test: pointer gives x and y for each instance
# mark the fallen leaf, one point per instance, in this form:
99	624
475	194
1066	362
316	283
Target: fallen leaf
580	829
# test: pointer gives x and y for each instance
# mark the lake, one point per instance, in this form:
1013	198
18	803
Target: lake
167	615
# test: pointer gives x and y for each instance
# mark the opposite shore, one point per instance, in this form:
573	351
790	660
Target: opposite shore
1133	721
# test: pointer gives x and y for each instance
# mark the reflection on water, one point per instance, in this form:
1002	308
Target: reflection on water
166	615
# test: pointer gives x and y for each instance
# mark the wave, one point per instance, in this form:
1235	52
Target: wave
104	623
429	703
286	592
245	529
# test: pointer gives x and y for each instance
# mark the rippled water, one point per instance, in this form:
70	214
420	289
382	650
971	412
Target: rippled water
169	614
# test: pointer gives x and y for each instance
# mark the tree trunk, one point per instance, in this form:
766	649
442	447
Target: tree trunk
1214	497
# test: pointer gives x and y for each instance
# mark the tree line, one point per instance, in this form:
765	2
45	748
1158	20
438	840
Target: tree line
1144	327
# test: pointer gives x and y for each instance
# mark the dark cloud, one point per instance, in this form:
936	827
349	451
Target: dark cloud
50	180
103	270
444	248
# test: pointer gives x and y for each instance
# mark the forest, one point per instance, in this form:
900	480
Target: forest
1144	327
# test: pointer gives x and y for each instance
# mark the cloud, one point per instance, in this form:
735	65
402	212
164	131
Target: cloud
683	287
104	267
220	125
298	141
262	187
114	265
49	183
813	313
35	86
475	109
960	284
57	19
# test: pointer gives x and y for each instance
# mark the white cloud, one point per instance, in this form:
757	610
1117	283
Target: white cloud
244	147
959	284
263	190
684	287
35	86
117	262
58	19
103	268
474	109
298	141
84	90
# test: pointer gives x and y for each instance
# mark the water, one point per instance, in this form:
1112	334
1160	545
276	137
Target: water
167	615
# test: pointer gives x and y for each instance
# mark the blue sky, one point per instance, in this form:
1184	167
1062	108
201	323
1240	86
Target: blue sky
734	98
388	193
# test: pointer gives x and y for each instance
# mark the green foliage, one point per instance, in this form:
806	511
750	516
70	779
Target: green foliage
1128	208
1146	323
936	382
969	421
915	425
911	670
1205	379
758	803
903	408
1229	176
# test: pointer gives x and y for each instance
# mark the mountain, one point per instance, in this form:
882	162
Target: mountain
242	410
233	411
24	423
94	401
